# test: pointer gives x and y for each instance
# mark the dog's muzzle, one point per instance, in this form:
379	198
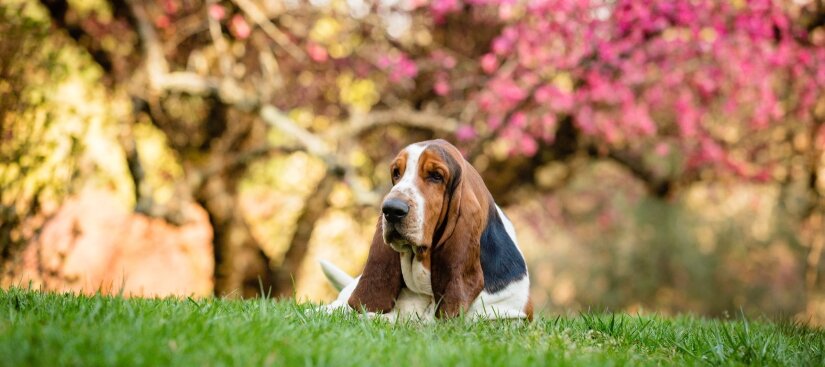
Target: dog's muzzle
395	210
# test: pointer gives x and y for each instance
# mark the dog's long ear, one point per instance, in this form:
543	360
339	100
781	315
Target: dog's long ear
381	281
456	273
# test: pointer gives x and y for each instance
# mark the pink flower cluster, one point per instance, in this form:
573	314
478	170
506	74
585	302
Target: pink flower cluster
398	66
629	70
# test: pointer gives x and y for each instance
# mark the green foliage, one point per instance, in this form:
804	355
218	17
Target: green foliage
43	118
49	329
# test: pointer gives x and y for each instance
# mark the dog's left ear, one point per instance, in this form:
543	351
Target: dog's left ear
456	274
381	281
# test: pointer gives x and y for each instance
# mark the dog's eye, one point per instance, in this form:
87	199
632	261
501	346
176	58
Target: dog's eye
435	177
396	174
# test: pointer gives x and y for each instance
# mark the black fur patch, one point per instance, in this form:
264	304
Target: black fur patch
501	261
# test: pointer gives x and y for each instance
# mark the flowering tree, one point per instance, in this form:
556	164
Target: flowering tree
668	89
702	81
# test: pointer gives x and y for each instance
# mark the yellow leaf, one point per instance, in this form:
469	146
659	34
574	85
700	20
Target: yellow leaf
302	116
341	196
339	50
563	82
324	30
321	122
358	159
359	94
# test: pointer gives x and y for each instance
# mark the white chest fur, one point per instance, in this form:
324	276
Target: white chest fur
416	276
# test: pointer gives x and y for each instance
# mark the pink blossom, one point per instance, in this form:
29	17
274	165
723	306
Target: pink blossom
217	12
737	167
444	59
528	145
170	6
240	27
585	121
711	151
505	11
687	116
519	120
399	66
548	120
543	94
383	62
441	87
656	71
548	127
440	8
162	21
317	52
562	102
489	63
407	68
662	149
494	121
510	91
638	117
465	132
764	175
501	46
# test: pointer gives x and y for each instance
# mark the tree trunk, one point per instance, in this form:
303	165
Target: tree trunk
241	267
313	210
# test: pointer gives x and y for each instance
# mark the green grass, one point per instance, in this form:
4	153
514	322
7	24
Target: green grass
52	329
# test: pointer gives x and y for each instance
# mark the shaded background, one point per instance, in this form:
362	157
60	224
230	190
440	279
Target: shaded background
662	156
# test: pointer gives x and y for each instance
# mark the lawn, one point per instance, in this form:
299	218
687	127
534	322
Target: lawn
43	329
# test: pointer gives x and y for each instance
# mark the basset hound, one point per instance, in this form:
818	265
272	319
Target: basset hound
442	247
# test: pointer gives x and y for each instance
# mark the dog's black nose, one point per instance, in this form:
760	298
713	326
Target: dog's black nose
395	210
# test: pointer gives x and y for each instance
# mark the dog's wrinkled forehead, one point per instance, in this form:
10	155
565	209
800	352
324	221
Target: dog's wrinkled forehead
452	158
410	158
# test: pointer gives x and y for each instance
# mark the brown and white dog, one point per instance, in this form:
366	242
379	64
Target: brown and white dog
442	246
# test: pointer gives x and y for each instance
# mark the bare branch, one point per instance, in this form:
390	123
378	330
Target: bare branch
401	117
656	185
185	82
226	90
245	157
314	208
257	15
282	122
361	195
154	58
221	46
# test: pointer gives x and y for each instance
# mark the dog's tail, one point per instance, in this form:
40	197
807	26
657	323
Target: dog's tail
335	275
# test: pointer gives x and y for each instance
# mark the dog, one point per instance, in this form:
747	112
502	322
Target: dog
441	248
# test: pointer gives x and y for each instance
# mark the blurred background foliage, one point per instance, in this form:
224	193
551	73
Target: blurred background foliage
220	147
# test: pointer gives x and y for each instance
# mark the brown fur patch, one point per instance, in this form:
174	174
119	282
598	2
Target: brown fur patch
457	277
528	308
400	163
434	193
381	281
